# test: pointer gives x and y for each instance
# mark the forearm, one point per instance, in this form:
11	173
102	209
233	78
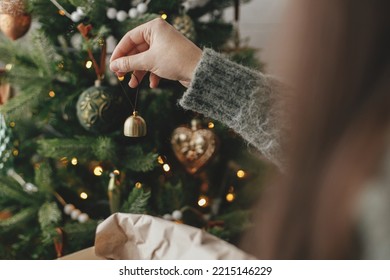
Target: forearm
239	97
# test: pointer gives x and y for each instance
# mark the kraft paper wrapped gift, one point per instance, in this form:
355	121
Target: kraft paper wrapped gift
143	237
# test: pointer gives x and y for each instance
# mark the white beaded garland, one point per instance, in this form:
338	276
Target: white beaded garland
133	13
111	43
75	214
121	16
80	11
75	16
177	215
111	13
68	208
83	217
142	8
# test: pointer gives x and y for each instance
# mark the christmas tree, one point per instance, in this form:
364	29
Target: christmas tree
65	162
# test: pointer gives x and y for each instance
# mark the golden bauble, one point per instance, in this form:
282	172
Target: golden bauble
14	26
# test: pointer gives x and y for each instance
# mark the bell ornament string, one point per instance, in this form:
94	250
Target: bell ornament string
135	125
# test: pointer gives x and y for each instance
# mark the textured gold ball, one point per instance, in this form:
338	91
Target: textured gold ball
135	126
99	109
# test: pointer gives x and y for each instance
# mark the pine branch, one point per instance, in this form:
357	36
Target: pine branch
138	161
19	219
12	191
49	215
43	178
170	197
136	202
79	236
236	222
101	148
20	104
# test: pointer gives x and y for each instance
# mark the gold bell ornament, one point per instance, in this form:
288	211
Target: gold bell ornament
135	126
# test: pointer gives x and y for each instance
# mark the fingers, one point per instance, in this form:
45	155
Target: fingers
130	43
153	80
136	78
130	63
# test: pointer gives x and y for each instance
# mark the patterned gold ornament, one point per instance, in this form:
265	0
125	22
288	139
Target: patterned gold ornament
185	26
99	110
194	147
14	20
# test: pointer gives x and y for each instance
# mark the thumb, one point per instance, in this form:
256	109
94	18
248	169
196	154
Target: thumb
130	63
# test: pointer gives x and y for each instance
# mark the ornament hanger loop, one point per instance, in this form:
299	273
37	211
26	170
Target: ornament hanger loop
136	94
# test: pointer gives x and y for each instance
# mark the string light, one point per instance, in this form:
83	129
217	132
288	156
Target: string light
241	173
230	197
138	185
15	152
52	94
203	201
61	12
8	67
210	125
88	64
74	161
12	124
166	167
64	160
160	160
83	195
164	16
98	170
117	172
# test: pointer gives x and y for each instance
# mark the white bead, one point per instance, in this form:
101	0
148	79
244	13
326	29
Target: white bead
75	214
68	208
83	217
111	43
142	8
76	41
121	16
75	16
167	217
177	215
133	13
111	13
80	11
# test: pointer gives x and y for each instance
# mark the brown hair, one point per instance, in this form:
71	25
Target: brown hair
338	64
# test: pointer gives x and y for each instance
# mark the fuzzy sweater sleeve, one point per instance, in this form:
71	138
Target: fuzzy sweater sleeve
241	98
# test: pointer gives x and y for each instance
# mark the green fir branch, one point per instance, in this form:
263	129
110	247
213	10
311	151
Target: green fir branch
101	148
18	106
136	202
138	161
170	197
49	215
19	219
43	178
79	236
11	190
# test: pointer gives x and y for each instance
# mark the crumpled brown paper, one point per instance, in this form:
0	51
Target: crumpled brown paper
143	237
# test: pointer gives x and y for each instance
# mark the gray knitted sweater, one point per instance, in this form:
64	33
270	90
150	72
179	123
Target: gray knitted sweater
244	100
239	97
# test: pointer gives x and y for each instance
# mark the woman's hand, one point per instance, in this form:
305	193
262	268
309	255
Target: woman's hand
159	48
